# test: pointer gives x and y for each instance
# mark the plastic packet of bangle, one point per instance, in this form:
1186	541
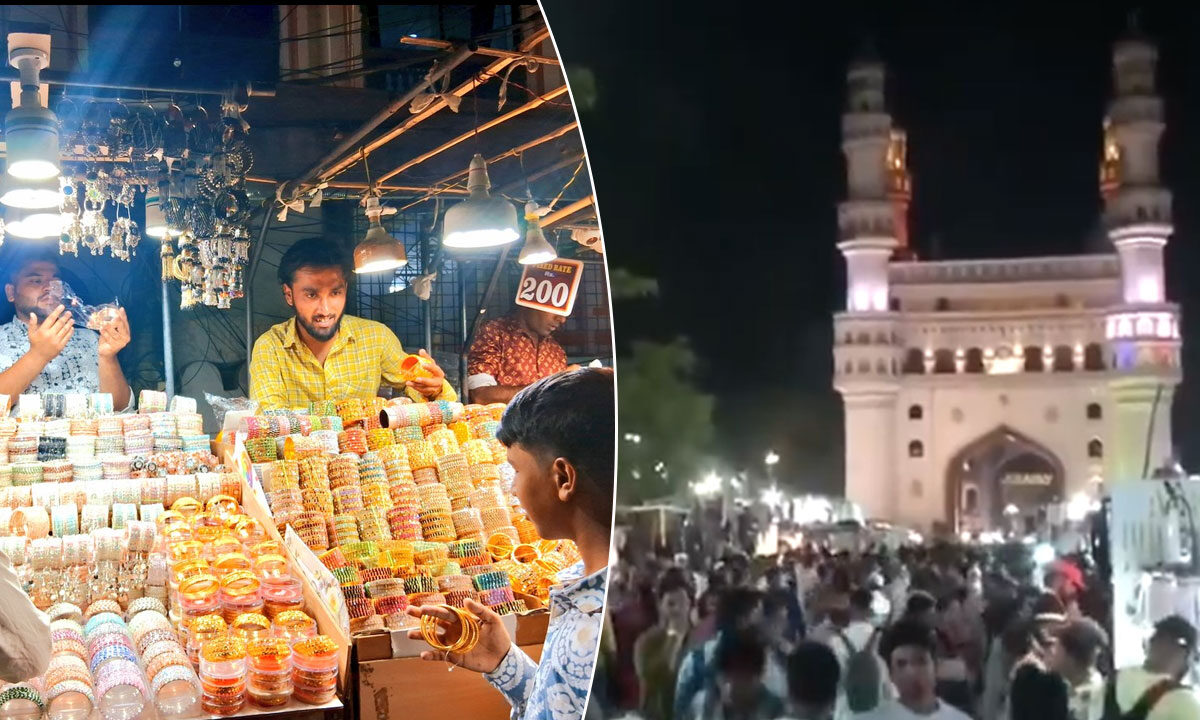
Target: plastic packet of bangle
223	405
93	317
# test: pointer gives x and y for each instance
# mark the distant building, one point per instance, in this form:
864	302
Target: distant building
978	392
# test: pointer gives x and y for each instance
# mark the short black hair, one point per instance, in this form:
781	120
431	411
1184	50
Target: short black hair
919	603
571	415
907	633
862	599
23	256
312	252
672	580
776	600
1040	694
735	604
742	652
1082	640
814	674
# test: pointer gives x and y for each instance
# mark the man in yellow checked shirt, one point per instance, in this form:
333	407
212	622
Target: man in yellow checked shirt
323	354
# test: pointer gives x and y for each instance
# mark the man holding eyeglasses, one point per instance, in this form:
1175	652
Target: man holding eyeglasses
1155	690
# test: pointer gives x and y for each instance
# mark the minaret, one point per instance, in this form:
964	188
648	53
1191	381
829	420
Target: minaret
866	219
866	348
1143	332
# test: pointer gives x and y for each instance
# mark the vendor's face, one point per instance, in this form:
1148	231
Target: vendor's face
542	485
318	295
30	290
543	324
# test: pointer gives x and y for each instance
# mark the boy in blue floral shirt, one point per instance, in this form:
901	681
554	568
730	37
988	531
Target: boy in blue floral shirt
560	433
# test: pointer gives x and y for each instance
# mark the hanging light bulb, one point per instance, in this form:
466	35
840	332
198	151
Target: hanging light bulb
30	130
378	251
536	249
481	220
31	194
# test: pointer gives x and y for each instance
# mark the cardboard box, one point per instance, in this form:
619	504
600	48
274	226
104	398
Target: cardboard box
416	689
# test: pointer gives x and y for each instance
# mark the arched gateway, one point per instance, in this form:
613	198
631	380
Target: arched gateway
1002	471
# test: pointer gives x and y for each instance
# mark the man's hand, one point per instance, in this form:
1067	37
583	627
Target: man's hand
115	335
429	387
48	338
494	642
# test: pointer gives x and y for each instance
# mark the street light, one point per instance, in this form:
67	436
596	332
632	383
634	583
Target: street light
772	458
633	438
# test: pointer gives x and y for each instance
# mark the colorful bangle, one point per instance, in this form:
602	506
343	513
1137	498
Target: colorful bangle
22	692
175	673
69	686
112	652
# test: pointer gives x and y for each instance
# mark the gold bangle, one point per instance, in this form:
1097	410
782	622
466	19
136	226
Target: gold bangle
240	583
197	587
468	635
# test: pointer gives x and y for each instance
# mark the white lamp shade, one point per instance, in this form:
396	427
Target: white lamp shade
536	249
35	225
156	219
30	194
481	220
379	251
31	143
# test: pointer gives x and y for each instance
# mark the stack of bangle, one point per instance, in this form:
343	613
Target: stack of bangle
314	473
311	528
380	438
437	527
345	529
352	411
373	524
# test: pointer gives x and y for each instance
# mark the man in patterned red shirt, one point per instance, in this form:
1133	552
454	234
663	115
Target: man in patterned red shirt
512	352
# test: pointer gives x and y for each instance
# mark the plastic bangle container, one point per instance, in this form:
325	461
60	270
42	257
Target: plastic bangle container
314	670
281	594
121	691
269	680
70	700
293	626
223	676
176	691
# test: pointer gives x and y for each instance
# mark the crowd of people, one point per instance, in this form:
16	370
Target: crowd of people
942	632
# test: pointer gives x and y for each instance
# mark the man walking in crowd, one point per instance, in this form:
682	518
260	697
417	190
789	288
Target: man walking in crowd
1155	691
1074	657
910	649
814	682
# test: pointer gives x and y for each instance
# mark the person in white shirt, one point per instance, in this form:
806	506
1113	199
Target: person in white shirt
1156	684
24	630
910	647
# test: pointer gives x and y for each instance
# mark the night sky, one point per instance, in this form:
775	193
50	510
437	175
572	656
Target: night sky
715	151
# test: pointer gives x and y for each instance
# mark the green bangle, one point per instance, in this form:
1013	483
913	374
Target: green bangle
22	692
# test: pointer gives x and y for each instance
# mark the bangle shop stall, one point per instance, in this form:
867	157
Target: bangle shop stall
198	556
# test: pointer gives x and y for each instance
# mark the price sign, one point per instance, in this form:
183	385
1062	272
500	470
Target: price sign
550	287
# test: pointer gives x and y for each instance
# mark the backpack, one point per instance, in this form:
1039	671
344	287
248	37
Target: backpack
1145	704
863	678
